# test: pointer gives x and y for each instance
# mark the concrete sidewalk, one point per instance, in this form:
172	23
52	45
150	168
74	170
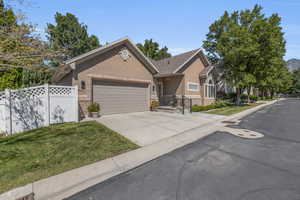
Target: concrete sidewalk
68	183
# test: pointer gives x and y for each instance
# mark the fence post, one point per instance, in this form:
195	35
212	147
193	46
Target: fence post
76	103
8	114
47	105
182	100
191	107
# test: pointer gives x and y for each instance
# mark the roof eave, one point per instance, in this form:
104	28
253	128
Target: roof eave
168	75
111	45
72	60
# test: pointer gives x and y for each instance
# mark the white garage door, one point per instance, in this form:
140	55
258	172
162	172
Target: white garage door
120	97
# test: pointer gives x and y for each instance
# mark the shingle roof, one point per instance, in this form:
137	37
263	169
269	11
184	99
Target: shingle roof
169	65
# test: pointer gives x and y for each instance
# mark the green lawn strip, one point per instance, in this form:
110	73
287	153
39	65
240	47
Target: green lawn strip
44	152
229	110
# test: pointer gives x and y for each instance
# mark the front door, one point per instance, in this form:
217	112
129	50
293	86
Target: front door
160	89
161	95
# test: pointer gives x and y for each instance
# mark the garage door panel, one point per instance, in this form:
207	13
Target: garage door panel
120	97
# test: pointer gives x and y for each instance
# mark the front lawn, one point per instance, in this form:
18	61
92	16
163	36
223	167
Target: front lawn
229	110
40	153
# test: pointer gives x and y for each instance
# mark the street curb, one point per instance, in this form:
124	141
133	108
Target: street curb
250	111
68	183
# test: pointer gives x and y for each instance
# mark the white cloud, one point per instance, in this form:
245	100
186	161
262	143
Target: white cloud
179	50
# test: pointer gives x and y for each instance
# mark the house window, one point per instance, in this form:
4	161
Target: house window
153	88
210	91
193	86
82	85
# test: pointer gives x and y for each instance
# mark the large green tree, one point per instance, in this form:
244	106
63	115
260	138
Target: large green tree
70	36
271	71
251	47
231	40
152	50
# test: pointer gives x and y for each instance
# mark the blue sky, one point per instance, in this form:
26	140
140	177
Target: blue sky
181	25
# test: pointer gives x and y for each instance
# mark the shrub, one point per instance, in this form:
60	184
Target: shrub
222	103
244	97
210	107
95	107
231	96
154	104
253	98
203	108
218	104
269	98
198	108
221	95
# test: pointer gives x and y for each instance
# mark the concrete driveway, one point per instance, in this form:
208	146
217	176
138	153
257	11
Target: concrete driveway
145	128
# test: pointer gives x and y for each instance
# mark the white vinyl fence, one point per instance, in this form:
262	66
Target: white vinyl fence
34	107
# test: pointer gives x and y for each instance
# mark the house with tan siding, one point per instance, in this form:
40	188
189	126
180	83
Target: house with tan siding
122	79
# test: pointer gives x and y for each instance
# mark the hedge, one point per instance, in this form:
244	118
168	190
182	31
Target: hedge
218	104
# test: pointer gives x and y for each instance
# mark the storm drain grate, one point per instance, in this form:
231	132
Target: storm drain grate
243	133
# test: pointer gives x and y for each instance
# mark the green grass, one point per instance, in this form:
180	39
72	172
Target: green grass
40	153
229	110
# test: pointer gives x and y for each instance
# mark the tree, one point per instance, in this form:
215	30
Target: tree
271	69
70	36
231	40
151	49
20	49
251	47
295	88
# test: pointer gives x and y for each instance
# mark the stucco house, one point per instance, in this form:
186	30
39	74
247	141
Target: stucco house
122	79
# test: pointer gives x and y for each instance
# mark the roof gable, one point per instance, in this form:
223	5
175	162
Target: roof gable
175	63
123	41
70	64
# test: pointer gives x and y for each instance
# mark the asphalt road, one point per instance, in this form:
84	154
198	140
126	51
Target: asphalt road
220	166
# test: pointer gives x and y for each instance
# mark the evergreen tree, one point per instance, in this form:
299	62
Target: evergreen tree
151	49
70	36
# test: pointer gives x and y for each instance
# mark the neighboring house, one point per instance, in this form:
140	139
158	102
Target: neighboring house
225	87
121	79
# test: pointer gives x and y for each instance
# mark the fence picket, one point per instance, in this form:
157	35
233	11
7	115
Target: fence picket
7	112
